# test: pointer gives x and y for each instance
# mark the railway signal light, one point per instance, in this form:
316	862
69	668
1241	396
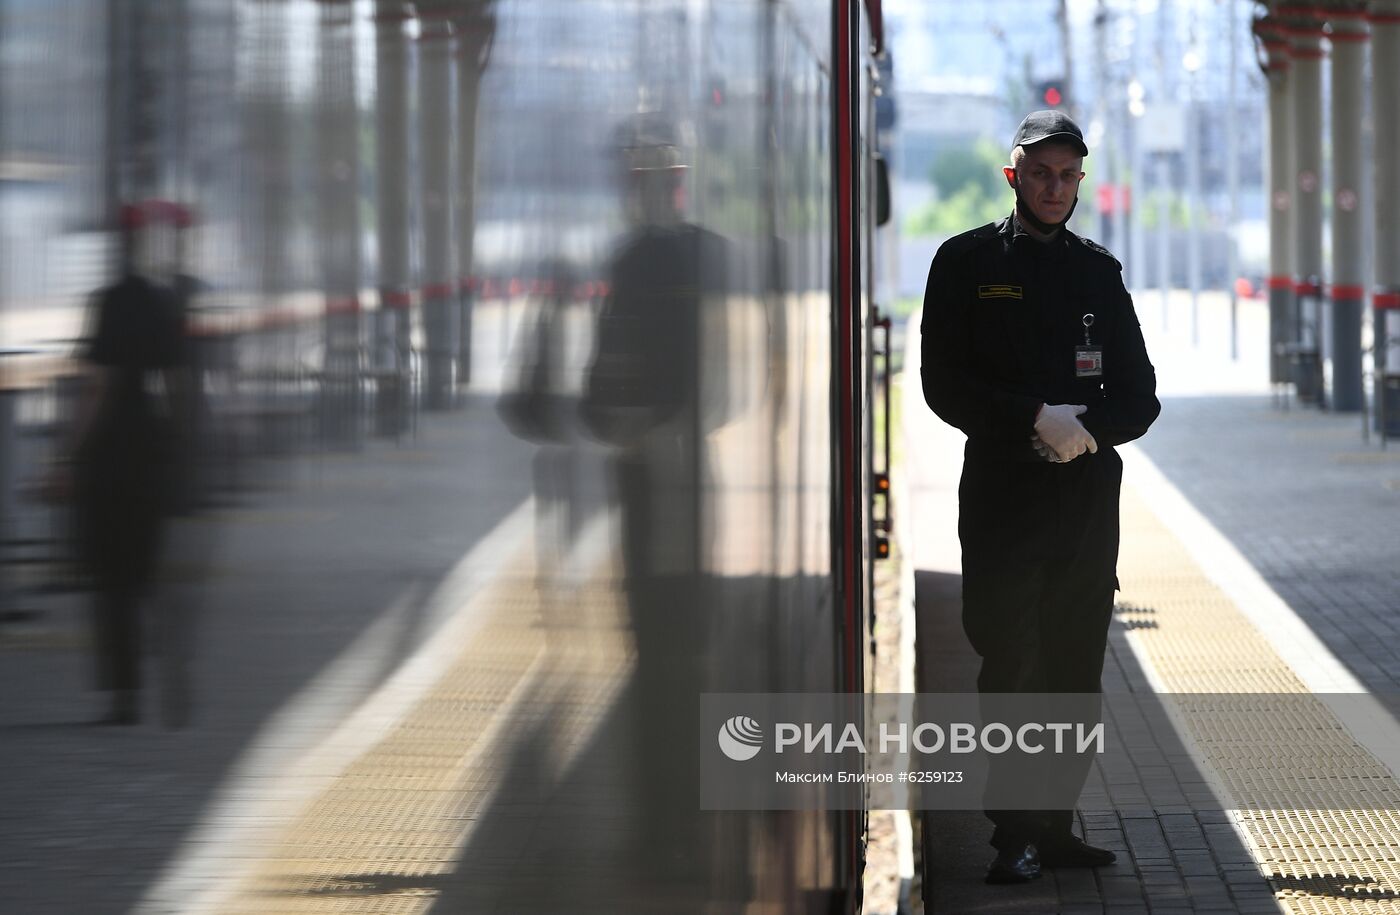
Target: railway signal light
1052	93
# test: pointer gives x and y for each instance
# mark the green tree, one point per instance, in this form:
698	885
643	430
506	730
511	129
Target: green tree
971	191
978	165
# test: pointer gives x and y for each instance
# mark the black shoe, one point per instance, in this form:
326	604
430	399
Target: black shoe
1074	852
1015	864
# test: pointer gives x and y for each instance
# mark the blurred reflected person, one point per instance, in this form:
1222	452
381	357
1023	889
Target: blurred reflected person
124	463
538	408
643	396
1032	348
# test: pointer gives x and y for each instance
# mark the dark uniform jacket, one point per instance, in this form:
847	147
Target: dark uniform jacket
125	474
1003	315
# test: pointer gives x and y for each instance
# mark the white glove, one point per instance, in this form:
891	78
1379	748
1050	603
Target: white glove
1059	435
1045	451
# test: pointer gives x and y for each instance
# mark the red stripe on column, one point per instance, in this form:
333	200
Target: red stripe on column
1348	293
342	305
1384	18
1309	54
1385	300
1349	36
437	291
1307	288
395	298
1280	282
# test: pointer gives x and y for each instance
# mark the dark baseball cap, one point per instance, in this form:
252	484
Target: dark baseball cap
1049	124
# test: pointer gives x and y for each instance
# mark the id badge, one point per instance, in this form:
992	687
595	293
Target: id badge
1088	361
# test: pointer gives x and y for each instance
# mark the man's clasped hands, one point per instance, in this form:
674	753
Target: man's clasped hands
1059	436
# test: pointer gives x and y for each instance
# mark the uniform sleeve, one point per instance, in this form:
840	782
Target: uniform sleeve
1130	402
955	389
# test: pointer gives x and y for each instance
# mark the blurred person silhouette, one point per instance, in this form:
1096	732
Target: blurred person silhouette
643	396
124	466
539	407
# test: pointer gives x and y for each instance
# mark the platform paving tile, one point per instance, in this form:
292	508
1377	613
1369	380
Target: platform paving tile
1145	863
1146	839
1328	548
1075	884
1186	842
1197	866
1121	888
1167	895
1206	886
1242	868
1259	899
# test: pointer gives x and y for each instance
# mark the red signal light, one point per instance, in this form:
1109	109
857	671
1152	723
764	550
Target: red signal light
1052	96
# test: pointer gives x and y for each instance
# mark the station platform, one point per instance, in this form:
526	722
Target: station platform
1258	560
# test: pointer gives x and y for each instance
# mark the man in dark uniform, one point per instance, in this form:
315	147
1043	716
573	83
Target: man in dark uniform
1032	348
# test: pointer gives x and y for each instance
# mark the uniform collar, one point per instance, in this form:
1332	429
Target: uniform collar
1011	229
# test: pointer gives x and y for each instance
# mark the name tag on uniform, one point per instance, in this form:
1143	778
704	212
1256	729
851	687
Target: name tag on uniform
1088	361
998	292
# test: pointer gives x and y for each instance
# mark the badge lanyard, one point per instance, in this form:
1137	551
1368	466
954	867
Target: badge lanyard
1088	359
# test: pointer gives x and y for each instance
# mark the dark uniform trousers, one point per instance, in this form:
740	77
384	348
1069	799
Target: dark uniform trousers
1003	316
1037	608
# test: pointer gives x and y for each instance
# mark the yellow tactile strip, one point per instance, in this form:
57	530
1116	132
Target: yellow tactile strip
397	816
1343	859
